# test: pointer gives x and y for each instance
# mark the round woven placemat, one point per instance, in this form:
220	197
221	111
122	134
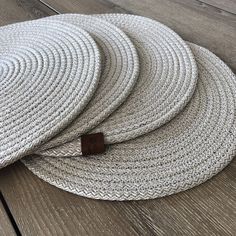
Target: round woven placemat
191	148
119	75
48	73
167	80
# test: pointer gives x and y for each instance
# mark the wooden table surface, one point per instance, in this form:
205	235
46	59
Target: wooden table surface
209	209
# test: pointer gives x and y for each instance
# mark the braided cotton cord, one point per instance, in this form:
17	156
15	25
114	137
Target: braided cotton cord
119	75
167	80
191	148
48	73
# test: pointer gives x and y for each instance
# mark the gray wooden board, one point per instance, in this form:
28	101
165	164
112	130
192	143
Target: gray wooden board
83	7
6	228
225	5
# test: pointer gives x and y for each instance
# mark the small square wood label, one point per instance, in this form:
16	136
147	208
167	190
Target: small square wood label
92	144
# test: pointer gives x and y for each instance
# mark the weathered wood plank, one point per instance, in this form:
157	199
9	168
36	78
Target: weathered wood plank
194	21
41	209
227	5
6	228
20	10
83	7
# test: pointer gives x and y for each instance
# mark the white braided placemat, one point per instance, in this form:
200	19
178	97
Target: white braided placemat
119	74
167	80
48	73
191	148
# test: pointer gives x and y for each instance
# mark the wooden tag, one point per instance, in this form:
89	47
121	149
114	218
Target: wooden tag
92	144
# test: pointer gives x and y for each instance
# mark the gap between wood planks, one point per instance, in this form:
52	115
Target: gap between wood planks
9	214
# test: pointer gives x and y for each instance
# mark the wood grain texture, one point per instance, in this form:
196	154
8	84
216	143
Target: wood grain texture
6	228
83	7
226	5
209	209
20	10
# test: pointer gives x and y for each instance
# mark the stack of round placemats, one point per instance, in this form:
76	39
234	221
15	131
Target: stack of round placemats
166	82
119	75
166	108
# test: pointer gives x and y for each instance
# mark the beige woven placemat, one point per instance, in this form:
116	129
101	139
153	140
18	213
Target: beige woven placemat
120	67
167	80
191	148
48	73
